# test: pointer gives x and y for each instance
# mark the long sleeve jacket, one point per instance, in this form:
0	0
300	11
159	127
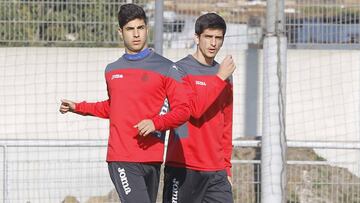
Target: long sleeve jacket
204	142
137	88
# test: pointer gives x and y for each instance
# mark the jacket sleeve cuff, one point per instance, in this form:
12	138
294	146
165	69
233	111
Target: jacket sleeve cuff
219	83
219	80
80	108
228	171
77	107
157	123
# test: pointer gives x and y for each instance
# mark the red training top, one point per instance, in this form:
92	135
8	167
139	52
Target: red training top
137	88
204	143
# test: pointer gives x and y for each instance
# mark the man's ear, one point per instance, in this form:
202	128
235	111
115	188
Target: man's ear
196	39
120	33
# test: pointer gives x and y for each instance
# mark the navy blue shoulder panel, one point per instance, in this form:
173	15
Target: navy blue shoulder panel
153	62
114	65
193	67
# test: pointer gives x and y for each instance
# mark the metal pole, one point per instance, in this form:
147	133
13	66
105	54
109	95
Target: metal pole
251	91
158	41
5	182
273	150
347	145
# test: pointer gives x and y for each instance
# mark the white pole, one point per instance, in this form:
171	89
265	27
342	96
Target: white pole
348	145
273	150
158	39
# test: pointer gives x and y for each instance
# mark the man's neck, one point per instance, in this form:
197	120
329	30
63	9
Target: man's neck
128	51
202	59
138	55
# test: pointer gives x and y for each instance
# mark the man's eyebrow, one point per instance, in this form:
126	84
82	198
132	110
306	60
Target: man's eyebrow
133	27
208	35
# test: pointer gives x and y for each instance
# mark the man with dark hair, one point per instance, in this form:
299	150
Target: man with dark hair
199	152
138	83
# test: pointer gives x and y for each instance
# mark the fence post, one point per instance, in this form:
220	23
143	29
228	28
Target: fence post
158	39
273	150
5	182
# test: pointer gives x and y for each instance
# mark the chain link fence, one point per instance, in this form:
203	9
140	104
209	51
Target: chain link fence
94	22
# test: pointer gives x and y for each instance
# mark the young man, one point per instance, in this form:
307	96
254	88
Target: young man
199	152
137	84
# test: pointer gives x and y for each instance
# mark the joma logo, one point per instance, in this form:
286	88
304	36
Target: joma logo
117	76
124	181
200	83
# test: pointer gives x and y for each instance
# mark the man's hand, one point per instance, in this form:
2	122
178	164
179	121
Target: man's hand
66	106
227	67
145	127
230	181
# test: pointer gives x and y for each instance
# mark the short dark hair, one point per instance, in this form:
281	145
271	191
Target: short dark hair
129	12
209	20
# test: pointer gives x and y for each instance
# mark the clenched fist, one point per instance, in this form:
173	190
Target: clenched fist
66	106
227	67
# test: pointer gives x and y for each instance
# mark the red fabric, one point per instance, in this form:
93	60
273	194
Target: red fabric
208	145
136	94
